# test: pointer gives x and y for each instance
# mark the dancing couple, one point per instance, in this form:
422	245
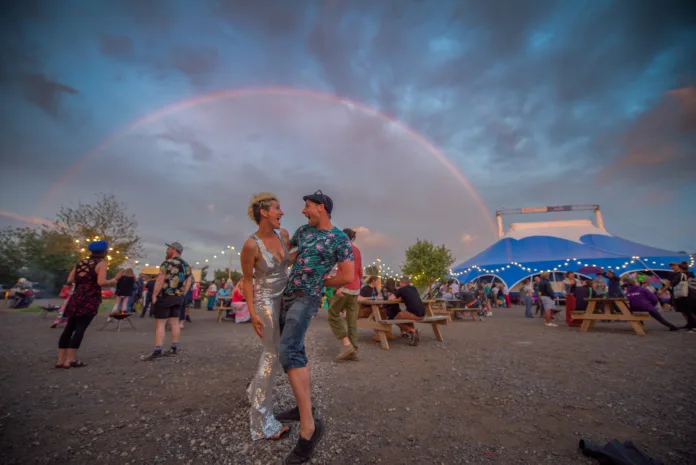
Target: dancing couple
281	307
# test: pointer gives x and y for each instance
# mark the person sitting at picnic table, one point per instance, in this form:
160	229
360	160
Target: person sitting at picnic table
239	305
642	300
394	310
222	296
369	292
415	310
580	291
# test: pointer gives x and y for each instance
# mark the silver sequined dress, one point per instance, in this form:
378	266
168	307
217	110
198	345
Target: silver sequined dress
270	278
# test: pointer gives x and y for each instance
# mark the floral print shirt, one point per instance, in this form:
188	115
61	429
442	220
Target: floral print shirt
175	271
319	250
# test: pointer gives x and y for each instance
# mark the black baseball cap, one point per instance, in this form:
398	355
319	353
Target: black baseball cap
321	199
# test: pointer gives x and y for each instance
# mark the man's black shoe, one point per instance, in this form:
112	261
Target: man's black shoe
156	355
304	449
290	415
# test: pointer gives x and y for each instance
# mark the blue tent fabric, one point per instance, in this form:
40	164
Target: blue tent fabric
514	259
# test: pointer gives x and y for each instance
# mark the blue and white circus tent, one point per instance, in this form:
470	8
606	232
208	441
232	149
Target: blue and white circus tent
527	249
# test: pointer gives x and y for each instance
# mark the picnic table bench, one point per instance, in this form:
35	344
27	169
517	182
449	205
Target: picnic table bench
460	306
384	326
589	316
221	309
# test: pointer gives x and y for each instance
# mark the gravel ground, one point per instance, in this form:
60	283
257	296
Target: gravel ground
504	391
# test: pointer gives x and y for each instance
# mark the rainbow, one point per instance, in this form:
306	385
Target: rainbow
271	91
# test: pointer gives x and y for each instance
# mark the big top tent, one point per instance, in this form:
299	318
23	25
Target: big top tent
530	248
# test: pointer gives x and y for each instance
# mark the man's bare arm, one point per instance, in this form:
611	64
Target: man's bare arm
344	275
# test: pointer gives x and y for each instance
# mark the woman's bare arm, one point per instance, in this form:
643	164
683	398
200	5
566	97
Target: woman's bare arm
288	246
101	275
71	278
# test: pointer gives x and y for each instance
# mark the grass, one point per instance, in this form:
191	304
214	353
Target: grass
104	307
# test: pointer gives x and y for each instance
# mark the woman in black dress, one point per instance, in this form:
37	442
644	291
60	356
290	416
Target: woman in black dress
89	275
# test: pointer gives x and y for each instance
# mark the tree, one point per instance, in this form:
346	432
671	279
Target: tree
41	255
222	274
204	273
427	263
371	270
107	219
11	256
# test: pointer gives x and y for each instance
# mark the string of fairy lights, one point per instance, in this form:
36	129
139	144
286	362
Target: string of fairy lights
387	271
562	266
227	253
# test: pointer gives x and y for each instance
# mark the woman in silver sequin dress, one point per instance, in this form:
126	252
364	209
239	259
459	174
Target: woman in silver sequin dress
265	261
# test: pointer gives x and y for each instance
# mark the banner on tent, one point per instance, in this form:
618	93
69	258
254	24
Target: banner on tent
561	208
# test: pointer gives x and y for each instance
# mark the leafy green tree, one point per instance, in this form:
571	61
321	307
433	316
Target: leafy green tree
106	219
12	259
427	263
41	255
371	270
223	274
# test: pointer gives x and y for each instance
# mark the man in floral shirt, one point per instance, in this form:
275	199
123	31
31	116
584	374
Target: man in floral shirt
172	284
320	247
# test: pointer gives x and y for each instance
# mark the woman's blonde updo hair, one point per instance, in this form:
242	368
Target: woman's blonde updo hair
258	202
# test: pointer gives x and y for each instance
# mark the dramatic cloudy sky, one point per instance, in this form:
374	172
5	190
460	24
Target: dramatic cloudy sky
491	104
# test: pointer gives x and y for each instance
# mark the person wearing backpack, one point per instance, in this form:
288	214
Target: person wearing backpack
683	283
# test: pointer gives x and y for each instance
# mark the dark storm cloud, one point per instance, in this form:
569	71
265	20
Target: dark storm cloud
45	93
661	145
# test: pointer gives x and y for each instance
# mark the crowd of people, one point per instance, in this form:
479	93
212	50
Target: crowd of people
284	280
653	295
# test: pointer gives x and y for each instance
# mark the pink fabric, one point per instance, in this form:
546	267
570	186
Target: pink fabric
241	312
357	271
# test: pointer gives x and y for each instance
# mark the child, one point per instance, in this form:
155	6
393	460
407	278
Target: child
124	291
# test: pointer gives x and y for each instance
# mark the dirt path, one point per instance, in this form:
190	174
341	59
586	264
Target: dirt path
506	391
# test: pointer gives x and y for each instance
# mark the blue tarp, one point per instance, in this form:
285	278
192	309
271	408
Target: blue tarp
512	260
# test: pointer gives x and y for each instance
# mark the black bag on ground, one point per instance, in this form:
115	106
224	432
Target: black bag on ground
617	453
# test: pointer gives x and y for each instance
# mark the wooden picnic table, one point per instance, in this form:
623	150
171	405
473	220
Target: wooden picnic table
384	326
459	307
589	316
221	308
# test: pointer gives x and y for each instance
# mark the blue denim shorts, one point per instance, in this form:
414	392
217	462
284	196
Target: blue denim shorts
295	316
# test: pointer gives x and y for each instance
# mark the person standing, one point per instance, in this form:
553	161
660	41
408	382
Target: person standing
212	295
171	286
265	259
147	304
548	297
506	295
320	247
89	275
526	296
346	299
